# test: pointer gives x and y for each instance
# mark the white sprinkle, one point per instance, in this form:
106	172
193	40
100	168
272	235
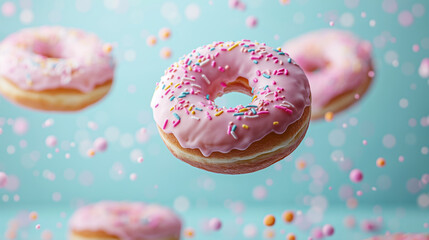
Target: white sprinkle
195	118
189	79
205	78
251	116
204	63
233	135
196	85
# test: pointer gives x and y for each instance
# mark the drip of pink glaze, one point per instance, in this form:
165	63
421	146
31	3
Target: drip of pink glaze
342	62
127	221
55	57
200	134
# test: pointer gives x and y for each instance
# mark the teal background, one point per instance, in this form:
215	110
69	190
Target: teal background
163	179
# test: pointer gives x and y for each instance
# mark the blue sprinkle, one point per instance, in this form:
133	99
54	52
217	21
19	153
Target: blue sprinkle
172	98
253	110
246	45
182	96
251	50
265	87
289	60
238	114
177	116
281	53
207	97
199	109
163	86
253	89
186	93
233	128
276	50
255	62
251	106
198	64
212	49
266	75
189	63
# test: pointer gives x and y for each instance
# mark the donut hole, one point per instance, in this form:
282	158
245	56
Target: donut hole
48	49
314	65
235	93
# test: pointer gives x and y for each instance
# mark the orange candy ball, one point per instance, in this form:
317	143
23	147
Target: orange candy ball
189	233
269	220
288	216
381	162
33	216
290	236
329	116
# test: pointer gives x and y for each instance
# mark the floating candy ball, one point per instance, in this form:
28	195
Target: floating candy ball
165	52
189	233
251	21
290	236
37	226
369	226
51	141
317	233
100	144
237	4
33	216
424	68
328	230
329	116
151	41
164	33
107	48
269	220
250	231
288	216
381	162
3	179
215	224
90	153
269	233
356	175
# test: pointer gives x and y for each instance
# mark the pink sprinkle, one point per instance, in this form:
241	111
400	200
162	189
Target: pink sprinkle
263	112
213	63
238	117
208	116
286	72
165	124
38	226
156	105
51	141
229	130
258	72
176	123
230	110
217	54
224	49
284	108
274	82
221	69
100	144
255	80
223	84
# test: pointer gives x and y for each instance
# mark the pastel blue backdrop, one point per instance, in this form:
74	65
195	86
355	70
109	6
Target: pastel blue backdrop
391	117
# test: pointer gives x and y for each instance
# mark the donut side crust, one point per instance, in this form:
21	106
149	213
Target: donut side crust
54	99
100	235
259	155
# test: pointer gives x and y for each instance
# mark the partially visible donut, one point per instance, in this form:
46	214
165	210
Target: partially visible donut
338	65
244	139
55	68
124	221
402	236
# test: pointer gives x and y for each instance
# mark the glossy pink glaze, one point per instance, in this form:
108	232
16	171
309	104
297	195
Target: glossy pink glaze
400	236
281	89
126	220
342	61
55	57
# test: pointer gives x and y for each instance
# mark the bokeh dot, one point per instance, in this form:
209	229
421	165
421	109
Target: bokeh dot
390	6
192	11
26	16
8	9
418	10
405	18
389	141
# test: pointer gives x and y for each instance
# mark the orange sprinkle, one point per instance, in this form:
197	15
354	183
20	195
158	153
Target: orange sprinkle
269	220
90	153
301	164
107	48
33	216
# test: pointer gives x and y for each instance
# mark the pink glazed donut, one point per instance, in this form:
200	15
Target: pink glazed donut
338	66
401	236
124	221
244	139
55	69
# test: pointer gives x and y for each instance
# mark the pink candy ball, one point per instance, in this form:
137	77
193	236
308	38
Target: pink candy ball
369	226
251	21
328	230
317	233
3	179
100	144
356	175
215	224
51	141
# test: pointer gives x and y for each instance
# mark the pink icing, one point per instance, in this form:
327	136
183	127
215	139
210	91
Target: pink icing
400	236
128	221
55	57
334	61
181	107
